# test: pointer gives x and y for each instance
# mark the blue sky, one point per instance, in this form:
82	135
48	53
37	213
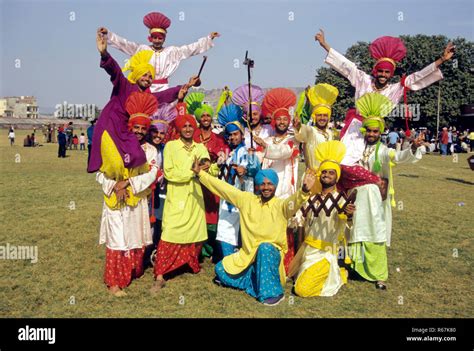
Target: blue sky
59	60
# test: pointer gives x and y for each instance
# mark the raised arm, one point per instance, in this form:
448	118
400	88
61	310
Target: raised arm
303	132
292	204
340	63
431	73
108	63
412	154
122	44
196	48
220	188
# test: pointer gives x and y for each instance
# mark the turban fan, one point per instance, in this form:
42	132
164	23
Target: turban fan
387	51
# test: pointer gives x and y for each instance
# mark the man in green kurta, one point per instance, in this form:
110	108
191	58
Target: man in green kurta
184	218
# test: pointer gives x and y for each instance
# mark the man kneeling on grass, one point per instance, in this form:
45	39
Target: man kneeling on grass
257	268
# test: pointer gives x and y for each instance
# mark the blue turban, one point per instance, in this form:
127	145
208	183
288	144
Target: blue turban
270	174
233	126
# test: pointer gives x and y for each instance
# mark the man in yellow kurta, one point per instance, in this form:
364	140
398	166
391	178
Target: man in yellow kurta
184	219
257	268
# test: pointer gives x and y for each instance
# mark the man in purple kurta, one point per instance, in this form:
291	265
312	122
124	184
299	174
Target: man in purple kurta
114	117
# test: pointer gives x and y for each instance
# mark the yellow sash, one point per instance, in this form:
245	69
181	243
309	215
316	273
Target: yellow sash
113	168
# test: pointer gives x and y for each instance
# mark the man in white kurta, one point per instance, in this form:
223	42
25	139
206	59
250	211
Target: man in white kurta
312	137
365	83
372	222
166	60
126	231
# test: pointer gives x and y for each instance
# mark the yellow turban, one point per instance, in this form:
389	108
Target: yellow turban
139	64
322	96
329	155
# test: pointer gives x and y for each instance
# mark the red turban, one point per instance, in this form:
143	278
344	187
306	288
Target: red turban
277	102
140	106
387	51
181	120
157	23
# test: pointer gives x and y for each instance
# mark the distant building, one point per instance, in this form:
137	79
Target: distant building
19	107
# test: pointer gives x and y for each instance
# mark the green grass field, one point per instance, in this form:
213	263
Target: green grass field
56	205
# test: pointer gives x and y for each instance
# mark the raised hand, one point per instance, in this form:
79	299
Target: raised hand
194	81
297	122
214	35
319	37
101	42
196	168
103	30
308	180
448	52
259	141
183	92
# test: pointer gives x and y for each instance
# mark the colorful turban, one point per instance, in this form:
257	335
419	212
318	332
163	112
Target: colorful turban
322	96
163	116
139	64
196	106
230	117
277	103
140	106
373	107
387	51
329	155
181	120
224	99
270	174
157	24
203	109
241	97
303	108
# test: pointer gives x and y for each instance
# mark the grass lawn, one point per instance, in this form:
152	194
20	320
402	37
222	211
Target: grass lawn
56	205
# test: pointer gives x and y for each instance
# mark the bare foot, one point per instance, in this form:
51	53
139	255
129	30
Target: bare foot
116	291
158	285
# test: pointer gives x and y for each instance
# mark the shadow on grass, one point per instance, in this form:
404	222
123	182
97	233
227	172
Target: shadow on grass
460	181
408	175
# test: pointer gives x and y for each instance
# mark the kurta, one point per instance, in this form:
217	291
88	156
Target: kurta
259	222
114	118
184	219
362	82
165	62
373	217
282	158
312	136
215	144
321	243
263	132
228	224
128	228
